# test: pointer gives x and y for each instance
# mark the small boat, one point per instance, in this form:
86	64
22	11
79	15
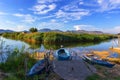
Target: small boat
97	61
37	68
63	54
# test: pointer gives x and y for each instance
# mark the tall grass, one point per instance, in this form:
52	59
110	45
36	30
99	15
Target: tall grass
57	37
15	63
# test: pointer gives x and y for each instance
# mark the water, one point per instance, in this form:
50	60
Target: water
77	47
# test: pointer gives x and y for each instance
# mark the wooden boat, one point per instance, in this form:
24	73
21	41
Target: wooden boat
63	54
97	61
37	68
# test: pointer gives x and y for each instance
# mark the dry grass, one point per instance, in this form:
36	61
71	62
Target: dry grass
116	60
40	55
115	50
104	55
101	54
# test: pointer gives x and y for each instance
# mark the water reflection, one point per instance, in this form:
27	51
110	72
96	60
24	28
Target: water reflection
68	45
78	47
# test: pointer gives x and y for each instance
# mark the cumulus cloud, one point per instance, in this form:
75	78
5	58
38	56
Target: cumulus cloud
26	17
77	27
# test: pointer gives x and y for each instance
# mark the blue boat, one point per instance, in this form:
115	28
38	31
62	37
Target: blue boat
97	61
63	54
37	68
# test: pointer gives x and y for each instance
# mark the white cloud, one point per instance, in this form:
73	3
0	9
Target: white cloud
16	28
26	17
107	5
43	8
21	28
18	15
115	29
72	11
71	15
53	20
86	27
10	22
51	25
29	18
46	1
3	13
114	2
77	27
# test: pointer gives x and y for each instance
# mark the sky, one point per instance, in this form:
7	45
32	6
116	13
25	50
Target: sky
90	15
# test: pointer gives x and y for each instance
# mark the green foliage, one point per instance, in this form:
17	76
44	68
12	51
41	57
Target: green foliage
58	37
12	77
117	78
15	64
33	30
93	77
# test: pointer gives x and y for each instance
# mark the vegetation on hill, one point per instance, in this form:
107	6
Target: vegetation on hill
33	30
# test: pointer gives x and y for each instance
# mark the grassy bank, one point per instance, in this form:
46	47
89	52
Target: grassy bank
16	70
104	73
57	37
17	64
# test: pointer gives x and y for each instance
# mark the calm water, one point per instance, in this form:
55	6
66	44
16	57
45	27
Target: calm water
78	47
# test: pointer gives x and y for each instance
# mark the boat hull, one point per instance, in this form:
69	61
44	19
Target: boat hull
96	61
37	68
62	54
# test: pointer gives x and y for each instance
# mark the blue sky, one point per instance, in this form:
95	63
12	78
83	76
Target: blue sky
100	15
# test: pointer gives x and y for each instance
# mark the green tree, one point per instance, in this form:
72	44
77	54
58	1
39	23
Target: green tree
33	30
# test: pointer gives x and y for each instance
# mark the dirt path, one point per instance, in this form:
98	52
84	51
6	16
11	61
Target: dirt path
73	70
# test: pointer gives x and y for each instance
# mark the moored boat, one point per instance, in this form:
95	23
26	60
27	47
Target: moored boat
97	61
37	68
63	54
